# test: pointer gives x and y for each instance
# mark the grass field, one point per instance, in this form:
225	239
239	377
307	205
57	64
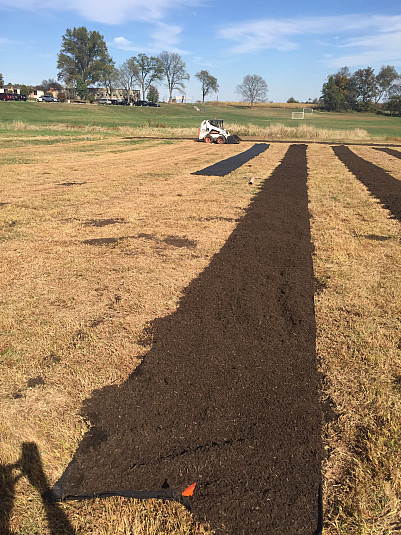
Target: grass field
87	233
34	119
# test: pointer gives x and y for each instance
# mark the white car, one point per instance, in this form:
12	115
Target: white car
47	98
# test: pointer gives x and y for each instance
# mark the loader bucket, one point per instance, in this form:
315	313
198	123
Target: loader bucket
233	140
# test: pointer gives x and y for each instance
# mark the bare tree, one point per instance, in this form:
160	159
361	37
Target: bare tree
109	79
1	80
208	83
127	76
253	89
49	85
173	69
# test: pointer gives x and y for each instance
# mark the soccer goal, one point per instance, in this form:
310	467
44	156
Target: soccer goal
298	115
307	111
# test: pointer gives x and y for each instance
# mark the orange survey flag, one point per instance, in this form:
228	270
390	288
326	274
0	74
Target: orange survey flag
189	491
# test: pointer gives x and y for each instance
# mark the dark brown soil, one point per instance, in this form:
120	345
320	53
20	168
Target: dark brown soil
383	186
229	395
224	167
392	152
104	222
71	183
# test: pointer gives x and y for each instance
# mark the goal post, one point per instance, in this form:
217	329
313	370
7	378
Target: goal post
307	111
298	115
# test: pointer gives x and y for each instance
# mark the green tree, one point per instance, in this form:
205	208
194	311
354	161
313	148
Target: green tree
253	89
83	55
153	94
1	80
385	81
24	90
81	88
148	70
173	70
333	98
292	100
393	105
364	81
208	83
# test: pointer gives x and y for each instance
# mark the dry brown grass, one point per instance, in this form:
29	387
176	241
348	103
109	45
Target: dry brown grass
358	312
303	132
287	105
87	263
273	131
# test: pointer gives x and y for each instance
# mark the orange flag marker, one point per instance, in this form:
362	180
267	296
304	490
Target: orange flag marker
189	491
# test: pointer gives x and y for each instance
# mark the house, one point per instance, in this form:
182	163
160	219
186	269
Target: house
116	94
10	89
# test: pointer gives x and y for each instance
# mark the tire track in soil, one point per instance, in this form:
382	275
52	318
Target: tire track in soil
228	396
381	185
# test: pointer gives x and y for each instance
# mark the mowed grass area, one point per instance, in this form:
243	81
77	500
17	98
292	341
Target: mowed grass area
92	241
40	118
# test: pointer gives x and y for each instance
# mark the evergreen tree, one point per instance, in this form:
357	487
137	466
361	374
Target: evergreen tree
81	88
153	94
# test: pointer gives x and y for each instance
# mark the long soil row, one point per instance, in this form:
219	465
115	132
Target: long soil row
228	397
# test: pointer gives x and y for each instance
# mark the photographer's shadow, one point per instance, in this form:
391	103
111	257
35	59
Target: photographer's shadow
30	466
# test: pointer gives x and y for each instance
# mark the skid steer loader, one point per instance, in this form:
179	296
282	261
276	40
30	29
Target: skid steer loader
213	131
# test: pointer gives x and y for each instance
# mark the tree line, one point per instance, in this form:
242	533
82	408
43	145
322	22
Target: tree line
362	90
84	61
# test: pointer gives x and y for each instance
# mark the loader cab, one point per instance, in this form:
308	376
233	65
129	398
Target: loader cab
218	123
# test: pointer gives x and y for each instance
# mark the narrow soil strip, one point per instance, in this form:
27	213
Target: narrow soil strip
229	396
392	152
225	167
381	185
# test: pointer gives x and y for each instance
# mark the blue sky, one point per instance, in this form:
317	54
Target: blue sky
293	45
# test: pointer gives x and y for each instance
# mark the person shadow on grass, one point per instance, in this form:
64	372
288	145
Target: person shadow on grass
30	466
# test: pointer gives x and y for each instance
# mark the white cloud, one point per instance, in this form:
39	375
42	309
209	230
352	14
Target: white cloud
166	37
105	11
5	41
379	35
123	44
163	37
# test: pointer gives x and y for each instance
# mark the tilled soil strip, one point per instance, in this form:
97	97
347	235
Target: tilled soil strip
224	167
392	152
381	185
228	397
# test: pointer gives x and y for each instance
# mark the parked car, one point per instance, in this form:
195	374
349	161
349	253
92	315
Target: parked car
7	96
47	98
141	103
154	104
106	101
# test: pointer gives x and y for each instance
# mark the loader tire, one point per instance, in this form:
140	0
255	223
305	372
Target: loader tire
221	140
208	139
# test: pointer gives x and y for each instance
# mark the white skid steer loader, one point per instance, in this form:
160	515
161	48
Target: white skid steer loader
213	131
